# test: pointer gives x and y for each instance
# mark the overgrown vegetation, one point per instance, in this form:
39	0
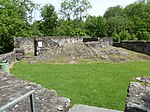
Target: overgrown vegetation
99	84
14	21
129	23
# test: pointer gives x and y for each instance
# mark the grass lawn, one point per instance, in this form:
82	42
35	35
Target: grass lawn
99	84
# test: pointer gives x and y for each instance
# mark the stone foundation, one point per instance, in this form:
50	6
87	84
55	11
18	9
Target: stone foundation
12	88
11	57
138	98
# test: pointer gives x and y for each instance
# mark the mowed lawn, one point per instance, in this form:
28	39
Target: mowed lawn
99	84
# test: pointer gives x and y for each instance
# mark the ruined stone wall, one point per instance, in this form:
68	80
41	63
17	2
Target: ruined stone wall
138	98
138	46
51	42
28	44
98	42
45	100
11	57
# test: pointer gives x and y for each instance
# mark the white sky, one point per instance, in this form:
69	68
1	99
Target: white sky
98	6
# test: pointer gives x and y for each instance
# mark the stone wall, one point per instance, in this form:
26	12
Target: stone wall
11	57
28	45
98	42
50	42
138	46
138	98
45	100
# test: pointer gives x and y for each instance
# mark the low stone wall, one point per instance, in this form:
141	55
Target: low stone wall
45	100
138	46
98	42
138	98
11	57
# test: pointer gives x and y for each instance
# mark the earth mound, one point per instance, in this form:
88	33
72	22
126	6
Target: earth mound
86	53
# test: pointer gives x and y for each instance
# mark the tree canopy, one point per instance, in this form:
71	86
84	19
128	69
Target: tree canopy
75	9
14	21
49	19
132	21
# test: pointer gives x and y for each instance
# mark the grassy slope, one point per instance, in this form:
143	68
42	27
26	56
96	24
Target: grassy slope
100	84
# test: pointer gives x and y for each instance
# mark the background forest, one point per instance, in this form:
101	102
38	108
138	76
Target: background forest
122	23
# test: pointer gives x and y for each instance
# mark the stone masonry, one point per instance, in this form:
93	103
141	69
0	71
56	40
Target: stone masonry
138	99
138	46
28	44
11	57
12	88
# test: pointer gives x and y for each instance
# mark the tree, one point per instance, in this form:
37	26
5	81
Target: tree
37	28
66	27
49	19
139	13
96	26
74	9
118	24
14	21
115	37
124	35
113	12
73	12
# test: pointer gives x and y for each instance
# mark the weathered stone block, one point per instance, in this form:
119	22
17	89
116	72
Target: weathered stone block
138	99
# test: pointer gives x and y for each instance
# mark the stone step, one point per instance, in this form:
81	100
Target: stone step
85	108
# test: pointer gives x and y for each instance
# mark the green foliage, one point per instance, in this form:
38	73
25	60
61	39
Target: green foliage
14	21
73	13
118	24
68	28
6	44
146	35
143	35
96	26
100	84
114	11
74	9
132	22
49	19
37	28
116	37
77	32
124	35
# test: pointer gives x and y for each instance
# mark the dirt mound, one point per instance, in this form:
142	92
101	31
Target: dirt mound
76	53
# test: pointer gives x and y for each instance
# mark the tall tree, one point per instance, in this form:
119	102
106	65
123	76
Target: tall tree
66	27
96	26
118	24
75	9
139	13
114	11
14	21
49	19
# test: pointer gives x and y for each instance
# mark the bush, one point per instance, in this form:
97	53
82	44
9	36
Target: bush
116	37
6	43
124	35
146	35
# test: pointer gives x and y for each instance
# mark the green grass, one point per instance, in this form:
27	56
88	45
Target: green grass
99	84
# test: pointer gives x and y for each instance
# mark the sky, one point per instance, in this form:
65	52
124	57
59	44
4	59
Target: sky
98	6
